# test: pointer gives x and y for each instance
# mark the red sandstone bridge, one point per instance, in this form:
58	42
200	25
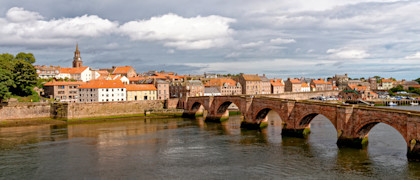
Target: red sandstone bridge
352	123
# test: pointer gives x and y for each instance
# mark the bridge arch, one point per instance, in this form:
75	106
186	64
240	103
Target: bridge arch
307	118
364	128
262	116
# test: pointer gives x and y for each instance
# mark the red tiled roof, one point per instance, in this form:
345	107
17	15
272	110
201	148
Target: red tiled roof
358	88
77	70
140	87
122	70
415	86
249	77
103	84
276	82
220	82
295	81
63	83
320	81
305	85
387	80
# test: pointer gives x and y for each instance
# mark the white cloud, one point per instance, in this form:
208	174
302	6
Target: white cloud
252	44
182	33
347	53
414	56
22	27
282	41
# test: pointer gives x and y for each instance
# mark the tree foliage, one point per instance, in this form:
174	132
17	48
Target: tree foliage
418	80
17	75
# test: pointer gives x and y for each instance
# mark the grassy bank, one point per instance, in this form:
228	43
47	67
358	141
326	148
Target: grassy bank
51	121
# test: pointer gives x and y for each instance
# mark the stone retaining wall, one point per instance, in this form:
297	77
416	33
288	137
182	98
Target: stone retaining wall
24	110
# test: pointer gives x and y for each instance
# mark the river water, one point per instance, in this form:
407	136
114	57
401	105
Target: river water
178	148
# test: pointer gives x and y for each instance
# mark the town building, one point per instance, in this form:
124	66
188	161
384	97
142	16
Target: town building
292	85
305	87
386	84
251	84
321	85
407	84
211	91
358	82
373	83
277	86
354	92
62	90
77	60
102	91
47	72
140	92
123	79
341	81
126	71
189	88
265	85
225	86
78	73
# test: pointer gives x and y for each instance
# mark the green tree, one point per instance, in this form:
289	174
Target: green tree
418	80
398	88
6	81
28	57
24	76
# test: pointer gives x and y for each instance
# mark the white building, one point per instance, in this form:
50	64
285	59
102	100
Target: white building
79	73
102	91
305	87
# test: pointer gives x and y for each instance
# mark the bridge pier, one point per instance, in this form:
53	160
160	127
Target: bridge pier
250	125
299	133
351	142
413	150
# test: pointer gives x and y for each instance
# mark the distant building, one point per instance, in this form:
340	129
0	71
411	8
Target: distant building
140	92
407	84
126	71
162	89
292	85
225	86
373	83
78	73
305	88
102	91
211	91
321	85
354	92
189	88
265	85
386	84
46	72
341	81
62	90
277	86
251	84
77	60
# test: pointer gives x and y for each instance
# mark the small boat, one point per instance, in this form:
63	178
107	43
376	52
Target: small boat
414	103
392	104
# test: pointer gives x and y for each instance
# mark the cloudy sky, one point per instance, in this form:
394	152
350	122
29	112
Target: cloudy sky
280	38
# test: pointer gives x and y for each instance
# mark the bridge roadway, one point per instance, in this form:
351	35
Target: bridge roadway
352	122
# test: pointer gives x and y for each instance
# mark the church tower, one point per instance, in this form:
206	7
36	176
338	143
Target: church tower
77	60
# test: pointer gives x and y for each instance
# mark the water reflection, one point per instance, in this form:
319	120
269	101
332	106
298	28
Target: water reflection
193	149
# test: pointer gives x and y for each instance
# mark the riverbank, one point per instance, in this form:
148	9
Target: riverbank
51	121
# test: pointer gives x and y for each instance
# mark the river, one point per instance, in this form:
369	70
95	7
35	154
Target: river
178	148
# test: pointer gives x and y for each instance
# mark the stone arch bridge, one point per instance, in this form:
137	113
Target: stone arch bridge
352	123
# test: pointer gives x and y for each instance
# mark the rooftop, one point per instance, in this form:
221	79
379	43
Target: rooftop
63	83
121	70
140	87
94	84
76	70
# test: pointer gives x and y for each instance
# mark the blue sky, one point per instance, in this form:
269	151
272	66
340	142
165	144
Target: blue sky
279	38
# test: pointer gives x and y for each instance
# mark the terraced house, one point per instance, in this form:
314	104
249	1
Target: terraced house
140	92
225	86
102	91
62	90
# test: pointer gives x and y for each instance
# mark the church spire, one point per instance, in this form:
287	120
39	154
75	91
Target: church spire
77	60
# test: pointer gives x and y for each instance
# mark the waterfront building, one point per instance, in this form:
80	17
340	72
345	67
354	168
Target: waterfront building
386	84
225	86
46	72
102	91
251	84
140	92
189	88
62	90
162	89
211	91
355	92
277	86
321	85
305	87
265	85
78	73
341	81
126	71
292	85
